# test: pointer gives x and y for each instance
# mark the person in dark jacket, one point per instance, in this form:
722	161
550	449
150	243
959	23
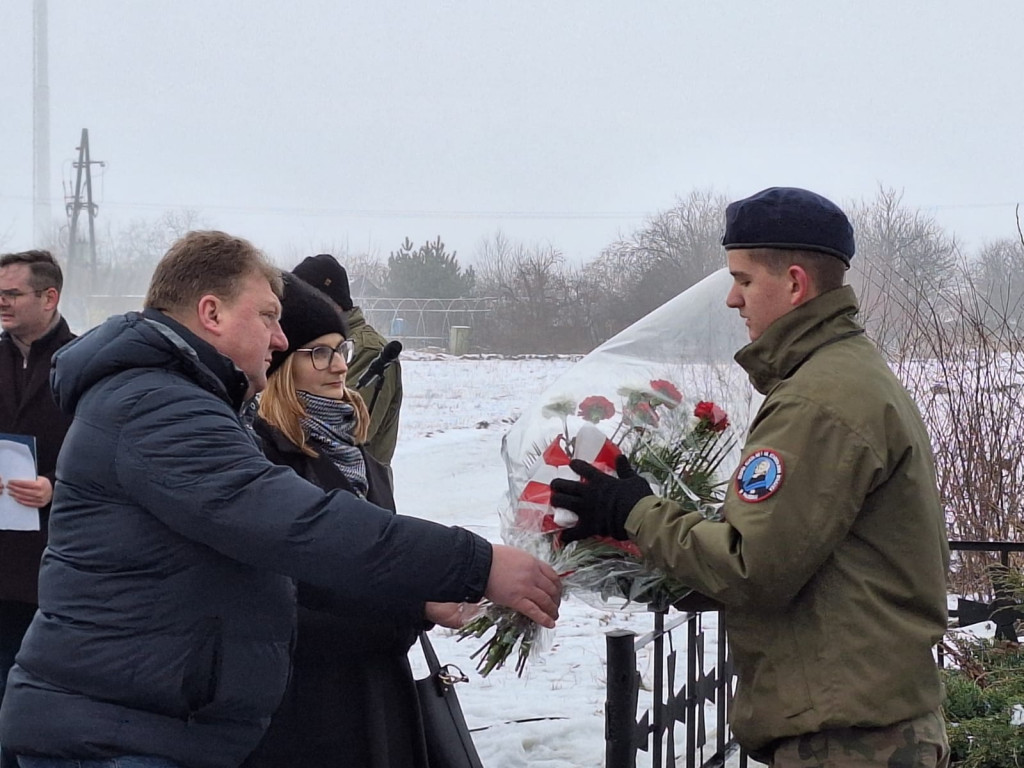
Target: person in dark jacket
166	598
325	273
351	700
33	329
831	560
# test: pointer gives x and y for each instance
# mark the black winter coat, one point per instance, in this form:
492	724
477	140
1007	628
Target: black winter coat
27	408
351	700
166	604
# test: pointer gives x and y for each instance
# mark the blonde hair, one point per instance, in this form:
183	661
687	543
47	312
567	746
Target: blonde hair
281	407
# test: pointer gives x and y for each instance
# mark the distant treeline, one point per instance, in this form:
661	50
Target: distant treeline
542	304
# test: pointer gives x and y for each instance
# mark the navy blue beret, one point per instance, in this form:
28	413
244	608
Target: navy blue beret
789	218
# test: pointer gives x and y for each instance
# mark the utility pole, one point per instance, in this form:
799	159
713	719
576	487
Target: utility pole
41	221
83	166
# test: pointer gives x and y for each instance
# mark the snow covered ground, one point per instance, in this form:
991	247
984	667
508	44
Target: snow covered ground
448	468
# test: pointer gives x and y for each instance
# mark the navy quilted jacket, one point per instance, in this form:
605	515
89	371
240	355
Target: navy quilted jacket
166	608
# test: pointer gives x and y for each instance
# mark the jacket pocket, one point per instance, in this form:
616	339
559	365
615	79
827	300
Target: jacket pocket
774	685
795	685
199	682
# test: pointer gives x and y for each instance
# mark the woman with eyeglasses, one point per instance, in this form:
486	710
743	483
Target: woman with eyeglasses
351	700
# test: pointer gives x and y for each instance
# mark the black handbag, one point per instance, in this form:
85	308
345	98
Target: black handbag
449	743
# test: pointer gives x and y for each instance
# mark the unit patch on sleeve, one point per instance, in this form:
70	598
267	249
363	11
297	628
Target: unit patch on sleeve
759	476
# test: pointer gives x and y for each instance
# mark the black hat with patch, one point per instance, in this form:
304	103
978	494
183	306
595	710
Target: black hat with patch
306	314
789	218
324	272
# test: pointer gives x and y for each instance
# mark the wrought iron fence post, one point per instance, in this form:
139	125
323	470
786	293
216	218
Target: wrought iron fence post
691	692
659	688
722	686
620	705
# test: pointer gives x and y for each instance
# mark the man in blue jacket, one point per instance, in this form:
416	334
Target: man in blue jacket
166	600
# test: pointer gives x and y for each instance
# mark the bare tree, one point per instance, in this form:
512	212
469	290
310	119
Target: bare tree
369	266
904	260
127	256
495	265
999	272
542	306
963	364
672	251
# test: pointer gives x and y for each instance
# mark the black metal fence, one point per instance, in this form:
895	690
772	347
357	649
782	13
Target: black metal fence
706	685
420	323
1002	610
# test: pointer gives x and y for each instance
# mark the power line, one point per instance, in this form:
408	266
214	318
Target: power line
366	212
437	214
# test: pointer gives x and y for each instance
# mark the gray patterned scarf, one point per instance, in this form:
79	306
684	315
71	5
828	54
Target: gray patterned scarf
328	426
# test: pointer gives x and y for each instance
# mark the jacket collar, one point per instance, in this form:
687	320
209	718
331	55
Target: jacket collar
235	383
795	336
275	437
355	319
57	326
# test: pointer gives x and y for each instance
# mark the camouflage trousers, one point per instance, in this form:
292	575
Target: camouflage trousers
917	743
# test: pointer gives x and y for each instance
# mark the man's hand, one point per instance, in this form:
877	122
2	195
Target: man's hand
523	583
602	502
32	493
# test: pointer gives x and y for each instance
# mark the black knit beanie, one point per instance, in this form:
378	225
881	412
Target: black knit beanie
306	314
324	272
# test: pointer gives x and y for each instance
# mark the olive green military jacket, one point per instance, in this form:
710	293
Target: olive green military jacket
383	433
831	561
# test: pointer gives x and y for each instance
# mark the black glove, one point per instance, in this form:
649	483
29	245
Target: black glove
602	502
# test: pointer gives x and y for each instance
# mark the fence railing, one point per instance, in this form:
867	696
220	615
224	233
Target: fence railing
421	323
1002	610
712	745
704	684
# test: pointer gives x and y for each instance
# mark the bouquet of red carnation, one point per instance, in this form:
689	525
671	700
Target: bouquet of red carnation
679	452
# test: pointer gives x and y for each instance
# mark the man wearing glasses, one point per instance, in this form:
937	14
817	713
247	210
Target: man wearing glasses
33	329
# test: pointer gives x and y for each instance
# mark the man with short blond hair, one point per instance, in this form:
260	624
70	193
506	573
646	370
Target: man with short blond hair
167	601
33	329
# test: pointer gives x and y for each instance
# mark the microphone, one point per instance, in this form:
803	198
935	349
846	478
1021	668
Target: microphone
387	356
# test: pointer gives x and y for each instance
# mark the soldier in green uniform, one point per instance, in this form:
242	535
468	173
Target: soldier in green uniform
324	272
831	560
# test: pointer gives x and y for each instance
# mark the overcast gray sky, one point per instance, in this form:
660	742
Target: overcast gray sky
309	122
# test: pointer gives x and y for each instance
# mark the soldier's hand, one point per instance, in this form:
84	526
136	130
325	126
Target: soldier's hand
523	583
602	502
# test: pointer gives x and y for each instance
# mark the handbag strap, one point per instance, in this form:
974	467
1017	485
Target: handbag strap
445	676
428	652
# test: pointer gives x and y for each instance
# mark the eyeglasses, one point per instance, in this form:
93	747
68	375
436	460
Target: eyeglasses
13	295
322	355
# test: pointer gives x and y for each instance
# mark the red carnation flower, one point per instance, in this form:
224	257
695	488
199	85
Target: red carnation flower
596	408
643	413
667	392
711	416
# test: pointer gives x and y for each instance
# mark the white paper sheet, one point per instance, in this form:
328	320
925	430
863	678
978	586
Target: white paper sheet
16	463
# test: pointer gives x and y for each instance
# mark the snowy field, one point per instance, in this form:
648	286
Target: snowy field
448	468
